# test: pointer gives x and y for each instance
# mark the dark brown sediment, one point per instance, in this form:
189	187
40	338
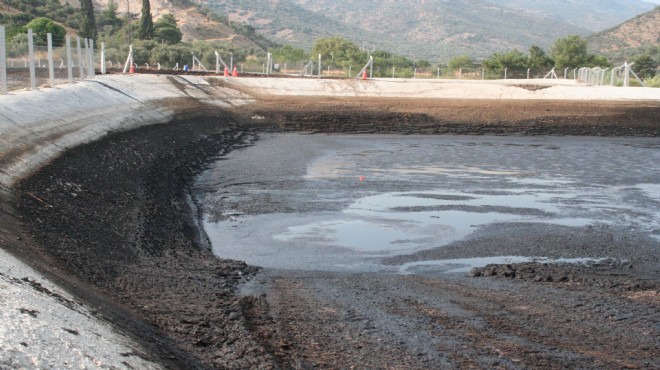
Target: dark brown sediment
112	221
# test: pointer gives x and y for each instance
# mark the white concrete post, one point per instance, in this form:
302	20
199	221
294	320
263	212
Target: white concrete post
3	62
483	73
80	58
602	77
231	62
392	71
320	68
626	75
460	73
86	57
51	66
270	64
371	66
103	58
33	77
505	71
217	62
92	70
69	61
349	70
528	69
438	77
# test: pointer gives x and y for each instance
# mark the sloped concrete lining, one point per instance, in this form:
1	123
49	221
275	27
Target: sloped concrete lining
42	326
37	126
445	89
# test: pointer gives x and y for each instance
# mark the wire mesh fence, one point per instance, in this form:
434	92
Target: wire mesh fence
30	61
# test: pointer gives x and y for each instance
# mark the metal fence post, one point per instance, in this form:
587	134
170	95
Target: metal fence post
80	59
51	67
3	62
33	77
69	61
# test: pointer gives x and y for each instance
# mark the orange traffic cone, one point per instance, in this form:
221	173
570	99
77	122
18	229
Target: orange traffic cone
364	75
131	69
226	71
235	72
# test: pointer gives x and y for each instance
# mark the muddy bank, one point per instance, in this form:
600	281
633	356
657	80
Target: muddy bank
460	116
111	220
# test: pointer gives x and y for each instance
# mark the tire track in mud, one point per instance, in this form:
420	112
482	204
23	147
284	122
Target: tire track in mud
420	322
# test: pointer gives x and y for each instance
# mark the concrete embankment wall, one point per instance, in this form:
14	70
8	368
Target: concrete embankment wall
42	325
36	126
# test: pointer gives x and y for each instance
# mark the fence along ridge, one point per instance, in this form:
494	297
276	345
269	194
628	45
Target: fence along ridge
57	60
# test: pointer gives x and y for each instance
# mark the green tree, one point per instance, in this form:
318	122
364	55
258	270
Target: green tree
644	66
570	52
597	61
513	59
339	51
88	20
461	61
43	26
289	53
538	59
166	30
146	22
109	15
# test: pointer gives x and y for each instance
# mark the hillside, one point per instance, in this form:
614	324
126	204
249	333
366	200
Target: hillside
193	20
436	30
638	35
592	15
431	29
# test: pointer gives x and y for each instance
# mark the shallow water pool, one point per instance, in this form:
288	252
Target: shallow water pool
345	202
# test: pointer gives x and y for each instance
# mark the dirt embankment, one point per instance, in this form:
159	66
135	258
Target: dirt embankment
460	116
112	220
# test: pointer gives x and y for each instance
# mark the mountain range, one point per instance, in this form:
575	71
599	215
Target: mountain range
638	35
436	30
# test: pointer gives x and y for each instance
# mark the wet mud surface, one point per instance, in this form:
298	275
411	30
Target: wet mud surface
114	223
334	301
